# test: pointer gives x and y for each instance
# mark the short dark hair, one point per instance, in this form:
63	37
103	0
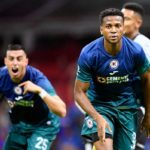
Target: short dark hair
16	47
110	12
138	8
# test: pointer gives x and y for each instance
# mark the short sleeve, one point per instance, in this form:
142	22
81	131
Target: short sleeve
142	62
42	81
84	68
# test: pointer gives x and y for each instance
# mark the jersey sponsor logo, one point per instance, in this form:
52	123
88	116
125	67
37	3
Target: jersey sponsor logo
114	64
114	72
23	103
114	79
18	90
18	98
10	103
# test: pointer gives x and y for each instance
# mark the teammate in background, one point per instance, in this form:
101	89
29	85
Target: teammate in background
34	104
133	14
103	86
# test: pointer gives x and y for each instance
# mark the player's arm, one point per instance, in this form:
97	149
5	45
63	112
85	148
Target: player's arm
81	98
143	68
146	87
54	103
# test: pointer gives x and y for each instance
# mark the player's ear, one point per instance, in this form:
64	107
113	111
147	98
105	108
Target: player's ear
5	61
27	61
139	23
101	31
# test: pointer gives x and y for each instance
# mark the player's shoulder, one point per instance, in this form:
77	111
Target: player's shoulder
92	46
34	71
142	38
132	45
3	71
143	41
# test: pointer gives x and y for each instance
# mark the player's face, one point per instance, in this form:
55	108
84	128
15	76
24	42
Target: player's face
131	22
112	28
16	62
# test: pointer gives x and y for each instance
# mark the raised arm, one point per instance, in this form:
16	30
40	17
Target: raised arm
54	103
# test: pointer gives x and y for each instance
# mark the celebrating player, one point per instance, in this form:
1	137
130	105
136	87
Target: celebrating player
34	104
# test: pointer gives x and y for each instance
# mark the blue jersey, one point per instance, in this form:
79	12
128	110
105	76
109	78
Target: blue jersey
29	108
111	77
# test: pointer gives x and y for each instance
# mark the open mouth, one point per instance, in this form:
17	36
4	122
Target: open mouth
15	70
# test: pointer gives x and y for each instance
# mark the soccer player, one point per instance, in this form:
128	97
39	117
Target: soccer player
133	14
103	86
34	104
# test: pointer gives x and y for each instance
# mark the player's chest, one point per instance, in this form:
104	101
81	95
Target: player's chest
114	67
15	93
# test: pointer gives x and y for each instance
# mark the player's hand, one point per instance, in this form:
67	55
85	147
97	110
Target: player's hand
146	125
28	86
101	126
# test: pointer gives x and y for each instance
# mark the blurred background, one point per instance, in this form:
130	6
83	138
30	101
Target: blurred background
53	32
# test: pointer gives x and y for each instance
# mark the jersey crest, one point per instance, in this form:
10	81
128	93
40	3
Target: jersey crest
18	90
114	64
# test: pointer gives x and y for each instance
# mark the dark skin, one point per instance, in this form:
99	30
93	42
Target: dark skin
81	98
112	29
146	121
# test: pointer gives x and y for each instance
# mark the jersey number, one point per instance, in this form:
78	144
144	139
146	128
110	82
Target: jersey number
41	144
